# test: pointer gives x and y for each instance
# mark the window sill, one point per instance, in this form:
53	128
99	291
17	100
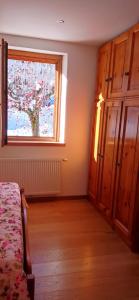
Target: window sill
34	143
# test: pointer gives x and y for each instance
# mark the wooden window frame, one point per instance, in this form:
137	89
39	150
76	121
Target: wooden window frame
3	90
44	58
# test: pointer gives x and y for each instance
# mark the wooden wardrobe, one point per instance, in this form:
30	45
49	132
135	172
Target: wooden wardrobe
114	162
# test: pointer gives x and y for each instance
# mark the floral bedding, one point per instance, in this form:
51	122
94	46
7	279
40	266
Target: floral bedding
13	284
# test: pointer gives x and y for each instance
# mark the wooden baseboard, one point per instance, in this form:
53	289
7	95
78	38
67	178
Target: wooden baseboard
45	198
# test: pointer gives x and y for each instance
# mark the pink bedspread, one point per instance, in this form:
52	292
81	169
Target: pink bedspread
13	284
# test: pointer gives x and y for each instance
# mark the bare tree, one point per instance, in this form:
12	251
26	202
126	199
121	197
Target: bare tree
29	88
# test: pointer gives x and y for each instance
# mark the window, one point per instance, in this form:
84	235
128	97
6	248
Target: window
33	96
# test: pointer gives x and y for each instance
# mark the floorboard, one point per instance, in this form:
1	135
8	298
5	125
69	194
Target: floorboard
77	256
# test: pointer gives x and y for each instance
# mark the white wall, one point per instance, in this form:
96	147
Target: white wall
80	94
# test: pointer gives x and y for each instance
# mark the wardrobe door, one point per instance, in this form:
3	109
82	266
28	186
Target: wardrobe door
118	79
103	70
127	168
95	150
93	163
133	69
108	155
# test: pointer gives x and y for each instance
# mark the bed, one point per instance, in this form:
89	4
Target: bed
16	278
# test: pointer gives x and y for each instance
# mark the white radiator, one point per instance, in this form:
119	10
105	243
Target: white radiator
37	176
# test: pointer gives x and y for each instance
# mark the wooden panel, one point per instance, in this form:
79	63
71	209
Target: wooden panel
133	74
95	150
127	167
93	179
93	163
103	69
135	231
108	155
118	66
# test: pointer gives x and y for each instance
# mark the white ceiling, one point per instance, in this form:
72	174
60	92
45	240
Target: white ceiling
86	21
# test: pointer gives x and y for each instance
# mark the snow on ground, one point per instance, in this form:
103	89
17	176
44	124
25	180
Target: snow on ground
19	123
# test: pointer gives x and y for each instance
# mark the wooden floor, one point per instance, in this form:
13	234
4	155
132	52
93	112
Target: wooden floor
76	255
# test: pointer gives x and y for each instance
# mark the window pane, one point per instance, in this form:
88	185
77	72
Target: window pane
31	98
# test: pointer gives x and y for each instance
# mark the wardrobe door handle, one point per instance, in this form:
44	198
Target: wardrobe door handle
126	73
108	79
118	164
100	155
